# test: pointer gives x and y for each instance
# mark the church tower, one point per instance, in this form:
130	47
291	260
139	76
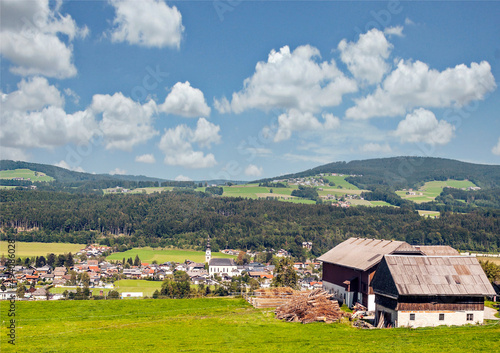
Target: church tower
208	252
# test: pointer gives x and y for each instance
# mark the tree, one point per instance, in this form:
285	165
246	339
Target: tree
285	275
491	270
137	261
51	259
69	261
181	276
21	291
113	294
242	259
85	279
40	261
172	289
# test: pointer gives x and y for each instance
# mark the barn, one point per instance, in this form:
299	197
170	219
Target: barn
349	268
420	291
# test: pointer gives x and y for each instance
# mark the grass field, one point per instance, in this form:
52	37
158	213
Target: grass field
495	260
432	189
212	325
25	173
148	255
40	249
431	214
340	181
150	190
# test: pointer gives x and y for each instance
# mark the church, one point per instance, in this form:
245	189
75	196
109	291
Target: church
220	267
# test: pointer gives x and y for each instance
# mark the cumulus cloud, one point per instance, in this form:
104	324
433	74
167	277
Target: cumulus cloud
177	144
496	149
182	178
146	158
291	80
295	120
118	171
253	170
148	23
394	31
125	123
375	148
65	165
413	84
366	59
33	116
30	38
185	101
15	154
422	126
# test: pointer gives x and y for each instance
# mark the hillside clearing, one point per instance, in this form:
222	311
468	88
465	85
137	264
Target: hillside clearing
148	255
40	249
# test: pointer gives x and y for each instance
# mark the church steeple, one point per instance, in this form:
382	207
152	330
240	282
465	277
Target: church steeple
208	252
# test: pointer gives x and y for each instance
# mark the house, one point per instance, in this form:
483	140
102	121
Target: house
222	266
419	291
349	267
40	294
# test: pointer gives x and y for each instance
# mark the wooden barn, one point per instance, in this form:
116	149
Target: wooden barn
419	291
349	267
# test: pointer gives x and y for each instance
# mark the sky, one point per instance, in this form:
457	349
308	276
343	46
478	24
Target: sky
242	90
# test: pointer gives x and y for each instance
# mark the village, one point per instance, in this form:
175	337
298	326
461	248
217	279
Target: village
392	282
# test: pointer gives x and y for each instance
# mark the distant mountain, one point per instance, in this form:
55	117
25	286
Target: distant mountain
404	172
68	176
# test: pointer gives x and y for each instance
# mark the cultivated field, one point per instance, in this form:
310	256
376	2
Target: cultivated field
148	255
41	249
24	173
212	325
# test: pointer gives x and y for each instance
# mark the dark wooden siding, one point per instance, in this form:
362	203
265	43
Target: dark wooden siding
432	303
386	302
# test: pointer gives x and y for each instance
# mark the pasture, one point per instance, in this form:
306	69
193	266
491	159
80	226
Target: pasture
212	325
40	249
430	190
26	174
148	255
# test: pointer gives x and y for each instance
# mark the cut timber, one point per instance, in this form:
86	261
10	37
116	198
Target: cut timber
311	307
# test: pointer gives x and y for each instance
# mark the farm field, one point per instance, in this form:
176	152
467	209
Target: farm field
40	249
148	255
212	325
432	189
431	214
340	181
25	173
495	260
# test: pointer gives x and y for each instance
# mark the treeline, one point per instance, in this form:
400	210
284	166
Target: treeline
185	219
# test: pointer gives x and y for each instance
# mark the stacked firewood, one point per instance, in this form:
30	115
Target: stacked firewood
274	292
311	307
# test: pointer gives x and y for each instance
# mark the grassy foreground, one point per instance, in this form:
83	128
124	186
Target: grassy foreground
212	325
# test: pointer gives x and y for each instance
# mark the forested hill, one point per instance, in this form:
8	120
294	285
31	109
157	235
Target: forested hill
185	219
405	172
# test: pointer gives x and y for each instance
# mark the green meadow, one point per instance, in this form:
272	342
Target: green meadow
212	325
432	189
40	249
148	255
25	173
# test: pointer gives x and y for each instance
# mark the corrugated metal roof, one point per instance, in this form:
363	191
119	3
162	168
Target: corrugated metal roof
437	250
360	253
447	275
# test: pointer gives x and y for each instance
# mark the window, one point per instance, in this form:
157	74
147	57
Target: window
470	317
412	316
441	317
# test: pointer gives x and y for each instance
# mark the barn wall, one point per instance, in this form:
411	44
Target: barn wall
431	318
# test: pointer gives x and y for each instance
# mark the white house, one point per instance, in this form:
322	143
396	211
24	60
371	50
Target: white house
222	266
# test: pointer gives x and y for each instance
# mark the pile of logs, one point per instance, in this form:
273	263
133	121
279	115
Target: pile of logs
311	307
276	292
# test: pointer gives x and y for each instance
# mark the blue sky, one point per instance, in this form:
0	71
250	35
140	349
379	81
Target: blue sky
246	89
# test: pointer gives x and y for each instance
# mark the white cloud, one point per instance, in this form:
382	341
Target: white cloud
422	126
295	120
177	144
118	171
30	38
366	59
148	23
413	84
65	165
394	31
375	148
408	21
291	80
253	170
146	158
125	122
33	116
70	93
182	178
15	154
186	101
496	149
